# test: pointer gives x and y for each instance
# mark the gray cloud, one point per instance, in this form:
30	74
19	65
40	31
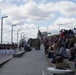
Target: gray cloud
66	8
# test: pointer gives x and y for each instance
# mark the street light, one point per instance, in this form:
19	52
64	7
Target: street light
2	28
25	37
12	34
21	34
59	27
17	34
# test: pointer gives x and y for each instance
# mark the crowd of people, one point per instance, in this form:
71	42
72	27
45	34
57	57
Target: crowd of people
8	48
63	45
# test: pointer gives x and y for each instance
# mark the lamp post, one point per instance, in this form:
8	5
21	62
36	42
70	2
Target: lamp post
25	36
21	34
17	34
12	34
59	27
2	28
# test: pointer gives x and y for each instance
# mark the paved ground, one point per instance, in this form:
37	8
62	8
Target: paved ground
31	63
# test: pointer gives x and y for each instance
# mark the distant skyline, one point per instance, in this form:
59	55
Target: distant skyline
31	14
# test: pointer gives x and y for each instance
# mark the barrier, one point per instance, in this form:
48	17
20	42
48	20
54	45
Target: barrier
53	70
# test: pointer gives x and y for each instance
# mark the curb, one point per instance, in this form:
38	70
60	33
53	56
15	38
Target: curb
18	54
5	61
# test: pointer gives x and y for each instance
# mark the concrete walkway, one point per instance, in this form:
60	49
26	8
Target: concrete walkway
4	59
31	63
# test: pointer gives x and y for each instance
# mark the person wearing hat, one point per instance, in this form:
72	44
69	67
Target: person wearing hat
60	64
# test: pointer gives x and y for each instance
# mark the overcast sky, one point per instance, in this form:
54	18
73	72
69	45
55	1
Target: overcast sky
28	15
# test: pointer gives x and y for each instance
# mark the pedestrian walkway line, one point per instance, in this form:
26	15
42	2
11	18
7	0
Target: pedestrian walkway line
43	72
